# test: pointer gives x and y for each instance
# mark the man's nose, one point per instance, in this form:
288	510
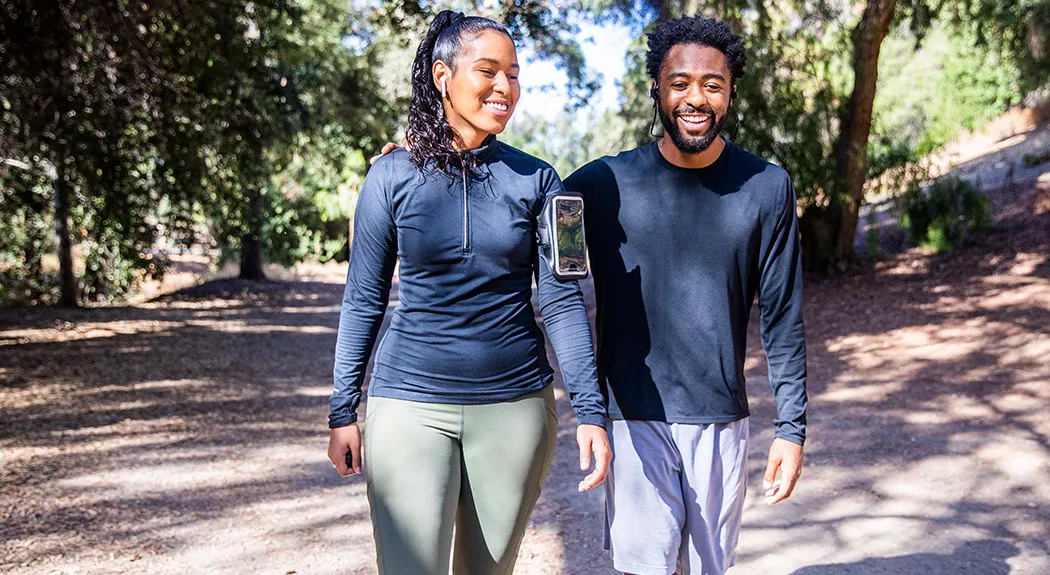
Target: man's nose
696	97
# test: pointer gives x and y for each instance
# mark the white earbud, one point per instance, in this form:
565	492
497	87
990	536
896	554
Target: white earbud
444	90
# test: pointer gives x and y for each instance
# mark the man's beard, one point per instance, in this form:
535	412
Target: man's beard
691	145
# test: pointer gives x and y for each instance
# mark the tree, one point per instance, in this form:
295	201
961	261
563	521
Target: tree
155	113
75	81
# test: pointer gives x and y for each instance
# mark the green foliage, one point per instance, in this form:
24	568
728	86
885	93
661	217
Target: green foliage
24	239
1018	31
315	197
153	116
943	214
964	85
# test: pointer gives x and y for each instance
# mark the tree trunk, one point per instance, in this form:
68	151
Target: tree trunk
851	151
67	281
251	242
251	257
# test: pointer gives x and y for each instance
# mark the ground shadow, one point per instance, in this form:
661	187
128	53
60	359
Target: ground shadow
986	557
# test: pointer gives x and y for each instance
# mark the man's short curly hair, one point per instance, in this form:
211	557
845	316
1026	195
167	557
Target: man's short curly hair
695	30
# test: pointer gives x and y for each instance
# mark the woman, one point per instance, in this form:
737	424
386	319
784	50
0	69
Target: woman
461	422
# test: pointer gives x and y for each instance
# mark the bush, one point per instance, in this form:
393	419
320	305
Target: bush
941	216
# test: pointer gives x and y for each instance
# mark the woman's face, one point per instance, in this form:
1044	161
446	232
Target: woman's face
483	90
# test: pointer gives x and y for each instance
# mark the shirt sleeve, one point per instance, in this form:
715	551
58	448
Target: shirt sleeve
565	319
783	332
373	254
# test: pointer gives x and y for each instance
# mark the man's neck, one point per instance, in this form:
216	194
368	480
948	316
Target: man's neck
673	154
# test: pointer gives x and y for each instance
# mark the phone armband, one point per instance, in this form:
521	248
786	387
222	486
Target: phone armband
561	240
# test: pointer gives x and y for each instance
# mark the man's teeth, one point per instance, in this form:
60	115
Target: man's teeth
495	106
694	119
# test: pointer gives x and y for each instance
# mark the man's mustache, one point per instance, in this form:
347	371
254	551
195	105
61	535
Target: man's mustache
689	109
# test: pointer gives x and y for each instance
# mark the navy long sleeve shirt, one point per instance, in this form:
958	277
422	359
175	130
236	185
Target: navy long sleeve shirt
464	330
678	256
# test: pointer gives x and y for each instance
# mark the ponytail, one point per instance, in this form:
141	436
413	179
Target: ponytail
429	134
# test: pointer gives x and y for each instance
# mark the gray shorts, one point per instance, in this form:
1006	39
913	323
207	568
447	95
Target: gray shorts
674	496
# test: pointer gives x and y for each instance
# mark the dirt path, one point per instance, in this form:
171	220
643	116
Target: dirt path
187	435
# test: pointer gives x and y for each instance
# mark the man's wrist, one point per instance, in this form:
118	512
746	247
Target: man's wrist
795	438
597	420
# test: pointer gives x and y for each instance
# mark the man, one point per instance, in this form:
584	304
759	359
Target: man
683	233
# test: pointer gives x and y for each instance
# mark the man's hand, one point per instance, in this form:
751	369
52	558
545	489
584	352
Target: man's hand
341	440
786	457
387	148
592	438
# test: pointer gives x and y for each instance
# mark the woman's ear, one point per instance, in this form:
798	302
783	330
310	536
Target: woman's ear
441	74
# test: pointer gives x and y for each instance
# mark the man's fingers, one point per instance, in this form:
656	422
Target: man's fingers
783	489
593	479
787	457
592	439
602	457
601	469
772	489
387	148
771	471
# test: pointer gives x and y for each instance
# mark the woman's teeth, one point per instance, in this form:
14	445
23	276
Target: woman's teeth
495	106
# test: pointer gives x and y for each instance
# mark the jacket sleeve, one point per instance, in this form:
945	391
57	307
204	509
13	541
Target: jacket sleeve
783	332
373	254
565	319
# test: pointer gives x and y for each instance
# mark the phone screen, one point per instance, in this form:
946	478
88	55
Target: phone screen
568	226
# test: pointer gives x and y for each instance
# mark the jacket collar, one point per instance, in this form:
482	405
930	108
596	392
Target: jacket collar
483	152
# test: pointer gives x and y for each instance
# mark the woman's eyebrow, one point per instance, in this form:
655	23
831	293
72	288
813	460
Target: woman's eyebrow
496	62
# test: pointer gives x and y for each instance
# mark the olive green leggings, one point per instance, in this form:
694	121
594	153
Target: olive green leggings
430	466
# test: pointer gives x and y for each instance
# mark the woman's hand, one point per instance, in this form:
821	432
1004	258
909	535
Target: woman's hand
592	438
341	440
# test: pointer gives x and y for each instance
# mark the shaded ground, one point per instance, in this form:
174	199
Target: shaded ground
187	434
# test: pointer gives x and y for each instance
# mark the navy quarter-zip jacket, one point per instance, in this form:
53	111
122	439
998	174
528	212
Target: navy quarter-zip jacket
463	330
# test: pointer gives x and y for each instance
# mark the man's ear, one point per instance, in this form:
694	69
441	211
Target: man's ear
654	91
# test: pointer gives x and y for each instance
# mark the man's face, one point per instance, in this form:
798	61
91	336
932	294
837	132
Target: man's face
695	85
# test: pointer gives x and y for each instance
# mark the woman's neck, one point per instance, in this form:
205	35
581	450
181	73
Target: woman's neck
465	136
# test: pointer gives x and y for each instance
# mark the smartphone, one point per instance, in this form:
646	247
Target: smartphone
561	236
